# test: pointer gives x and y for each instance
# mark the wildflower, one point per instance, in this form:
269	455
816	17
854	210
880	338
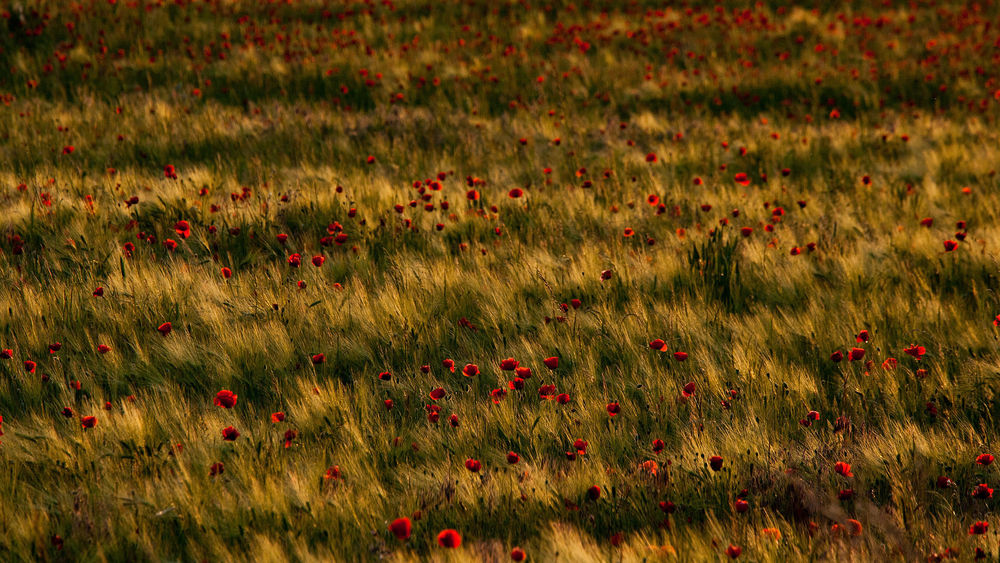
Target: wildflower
449	539
401	527
225	399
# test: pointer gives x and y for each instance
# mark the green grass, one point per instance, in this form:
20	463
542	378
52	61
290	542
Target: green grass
269	113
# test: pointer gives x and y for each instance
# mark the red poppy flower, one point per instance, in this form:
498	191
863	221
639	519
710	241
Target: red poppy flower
449	539
613	409
225	399
295	260
385	376
856	354
680	356
979	528
498	395
277	417
103	348
984	459
742	179
401	528
513	458
29	366
605	275
216	468
230	434
982	491
944	482
658	445
658	344
741	506
546	392
950	245
6	354
182	228
689	389
629	232
165	328
332	473
594	492
837	356
226	273
523	372
551	363
515	193
517	554
715	462
473	465
843	468
915	351
510	364
318	260
318	359
733	551
88	421
651	157
470	370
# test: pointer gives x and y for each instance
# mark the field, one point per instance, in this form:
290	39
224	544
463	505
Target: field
588	281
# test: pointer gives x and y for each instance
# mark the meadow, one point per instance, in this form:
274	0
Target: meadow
499	280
